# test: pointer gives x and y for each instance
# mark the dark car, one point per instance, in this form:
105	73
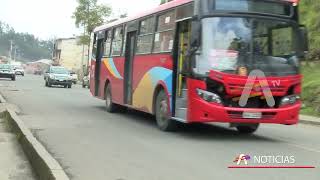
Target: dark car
6	71
58	75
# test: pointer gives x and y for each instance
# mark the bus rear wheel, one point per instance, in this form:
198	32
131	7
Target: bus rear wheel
162	112
110	106
247	129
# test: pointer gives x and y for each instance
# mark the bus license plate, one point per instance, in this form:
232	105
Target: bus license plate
252	115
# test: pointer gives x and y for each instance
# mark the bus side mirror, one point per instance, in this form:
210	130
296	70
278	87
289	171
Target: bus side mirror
303	40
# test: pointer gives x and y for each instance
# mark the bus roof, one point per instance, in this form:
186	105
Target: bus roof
160	8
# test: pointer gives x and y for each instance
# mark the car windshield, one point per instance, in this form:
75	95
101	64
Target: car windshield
5	66
59	70
230	43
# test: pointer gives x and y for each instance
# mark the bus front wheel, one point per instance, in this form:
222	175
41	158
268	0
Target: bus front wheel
162	113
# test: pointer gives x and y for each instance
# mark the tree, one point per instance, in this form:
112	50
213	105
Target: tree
89	14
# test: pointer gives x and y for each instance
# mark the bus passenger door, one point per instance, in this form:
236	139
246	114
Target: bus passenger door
128	69
183	36
99	53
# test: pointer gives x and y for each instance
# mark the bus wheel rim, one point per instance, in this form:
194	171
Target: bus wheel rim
108	99
163	111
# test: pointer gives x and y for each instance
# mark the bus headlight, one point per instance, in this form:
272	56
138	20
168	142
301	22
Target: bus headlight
289	100
209	96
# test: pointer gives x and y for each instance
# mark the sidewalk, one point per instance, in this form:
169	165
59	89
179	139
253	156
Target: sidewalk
309	119
13	163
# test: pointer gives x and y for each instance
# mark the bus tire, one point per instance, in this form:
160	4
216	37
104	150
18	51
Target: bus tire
110	106
247	129
164	122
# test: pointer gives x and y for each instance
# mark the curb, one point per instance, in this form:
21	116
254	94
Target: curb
44	165
2	100
309	120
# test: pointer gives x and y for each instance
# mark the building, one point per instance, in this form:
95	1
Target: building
68	53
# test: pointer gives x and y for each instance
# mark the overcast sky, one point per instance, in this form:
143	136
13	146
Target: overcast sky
52	18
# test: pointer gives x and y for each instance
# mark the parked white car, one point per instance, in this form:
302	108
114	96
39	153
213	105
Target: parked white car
18	70
74	77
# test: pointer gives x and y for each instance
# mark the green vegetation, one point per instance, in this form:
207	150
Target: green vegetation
311	88
89	15
310	17
26	47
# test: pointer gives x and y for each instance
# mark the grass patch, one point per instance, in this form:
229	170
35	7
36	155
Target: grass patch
311	89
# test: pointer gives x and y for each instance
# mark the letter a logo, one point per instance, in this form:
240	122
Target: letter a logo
251	84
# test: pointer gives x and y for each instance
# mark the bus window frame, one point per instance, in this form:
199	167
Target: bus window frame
174	10
124	39
113	33
105	40
94	47
147	34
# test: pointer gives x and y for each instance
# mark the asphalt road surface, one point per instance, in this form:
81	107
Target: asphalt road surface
92	144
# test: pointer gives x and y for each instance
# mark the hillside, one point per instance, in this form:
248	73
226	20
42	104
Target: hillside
311	88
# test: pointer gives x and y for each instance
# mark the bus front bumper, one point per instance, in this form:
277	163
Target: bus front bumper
202	111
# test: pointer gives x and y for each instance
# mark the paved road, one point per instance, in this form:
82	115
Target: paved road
94	145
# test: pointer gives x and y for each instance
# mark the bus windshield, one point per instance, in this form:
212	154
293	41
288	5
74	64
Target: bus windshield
230	43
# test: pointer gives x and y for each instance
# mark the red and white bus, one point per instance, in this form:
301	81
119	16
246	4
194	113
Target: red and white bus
188	61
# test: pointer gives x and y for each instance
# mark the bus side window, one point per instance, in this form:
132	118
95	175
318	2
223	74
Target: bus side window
107	48
117	41
145	37
282	41
94	46
163	41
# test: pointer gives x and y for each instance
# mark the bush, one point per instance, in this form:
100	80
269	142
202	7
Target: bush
311	88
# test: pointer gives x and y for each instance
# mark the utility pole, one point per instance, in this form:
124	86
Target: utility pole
15	53
11	45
